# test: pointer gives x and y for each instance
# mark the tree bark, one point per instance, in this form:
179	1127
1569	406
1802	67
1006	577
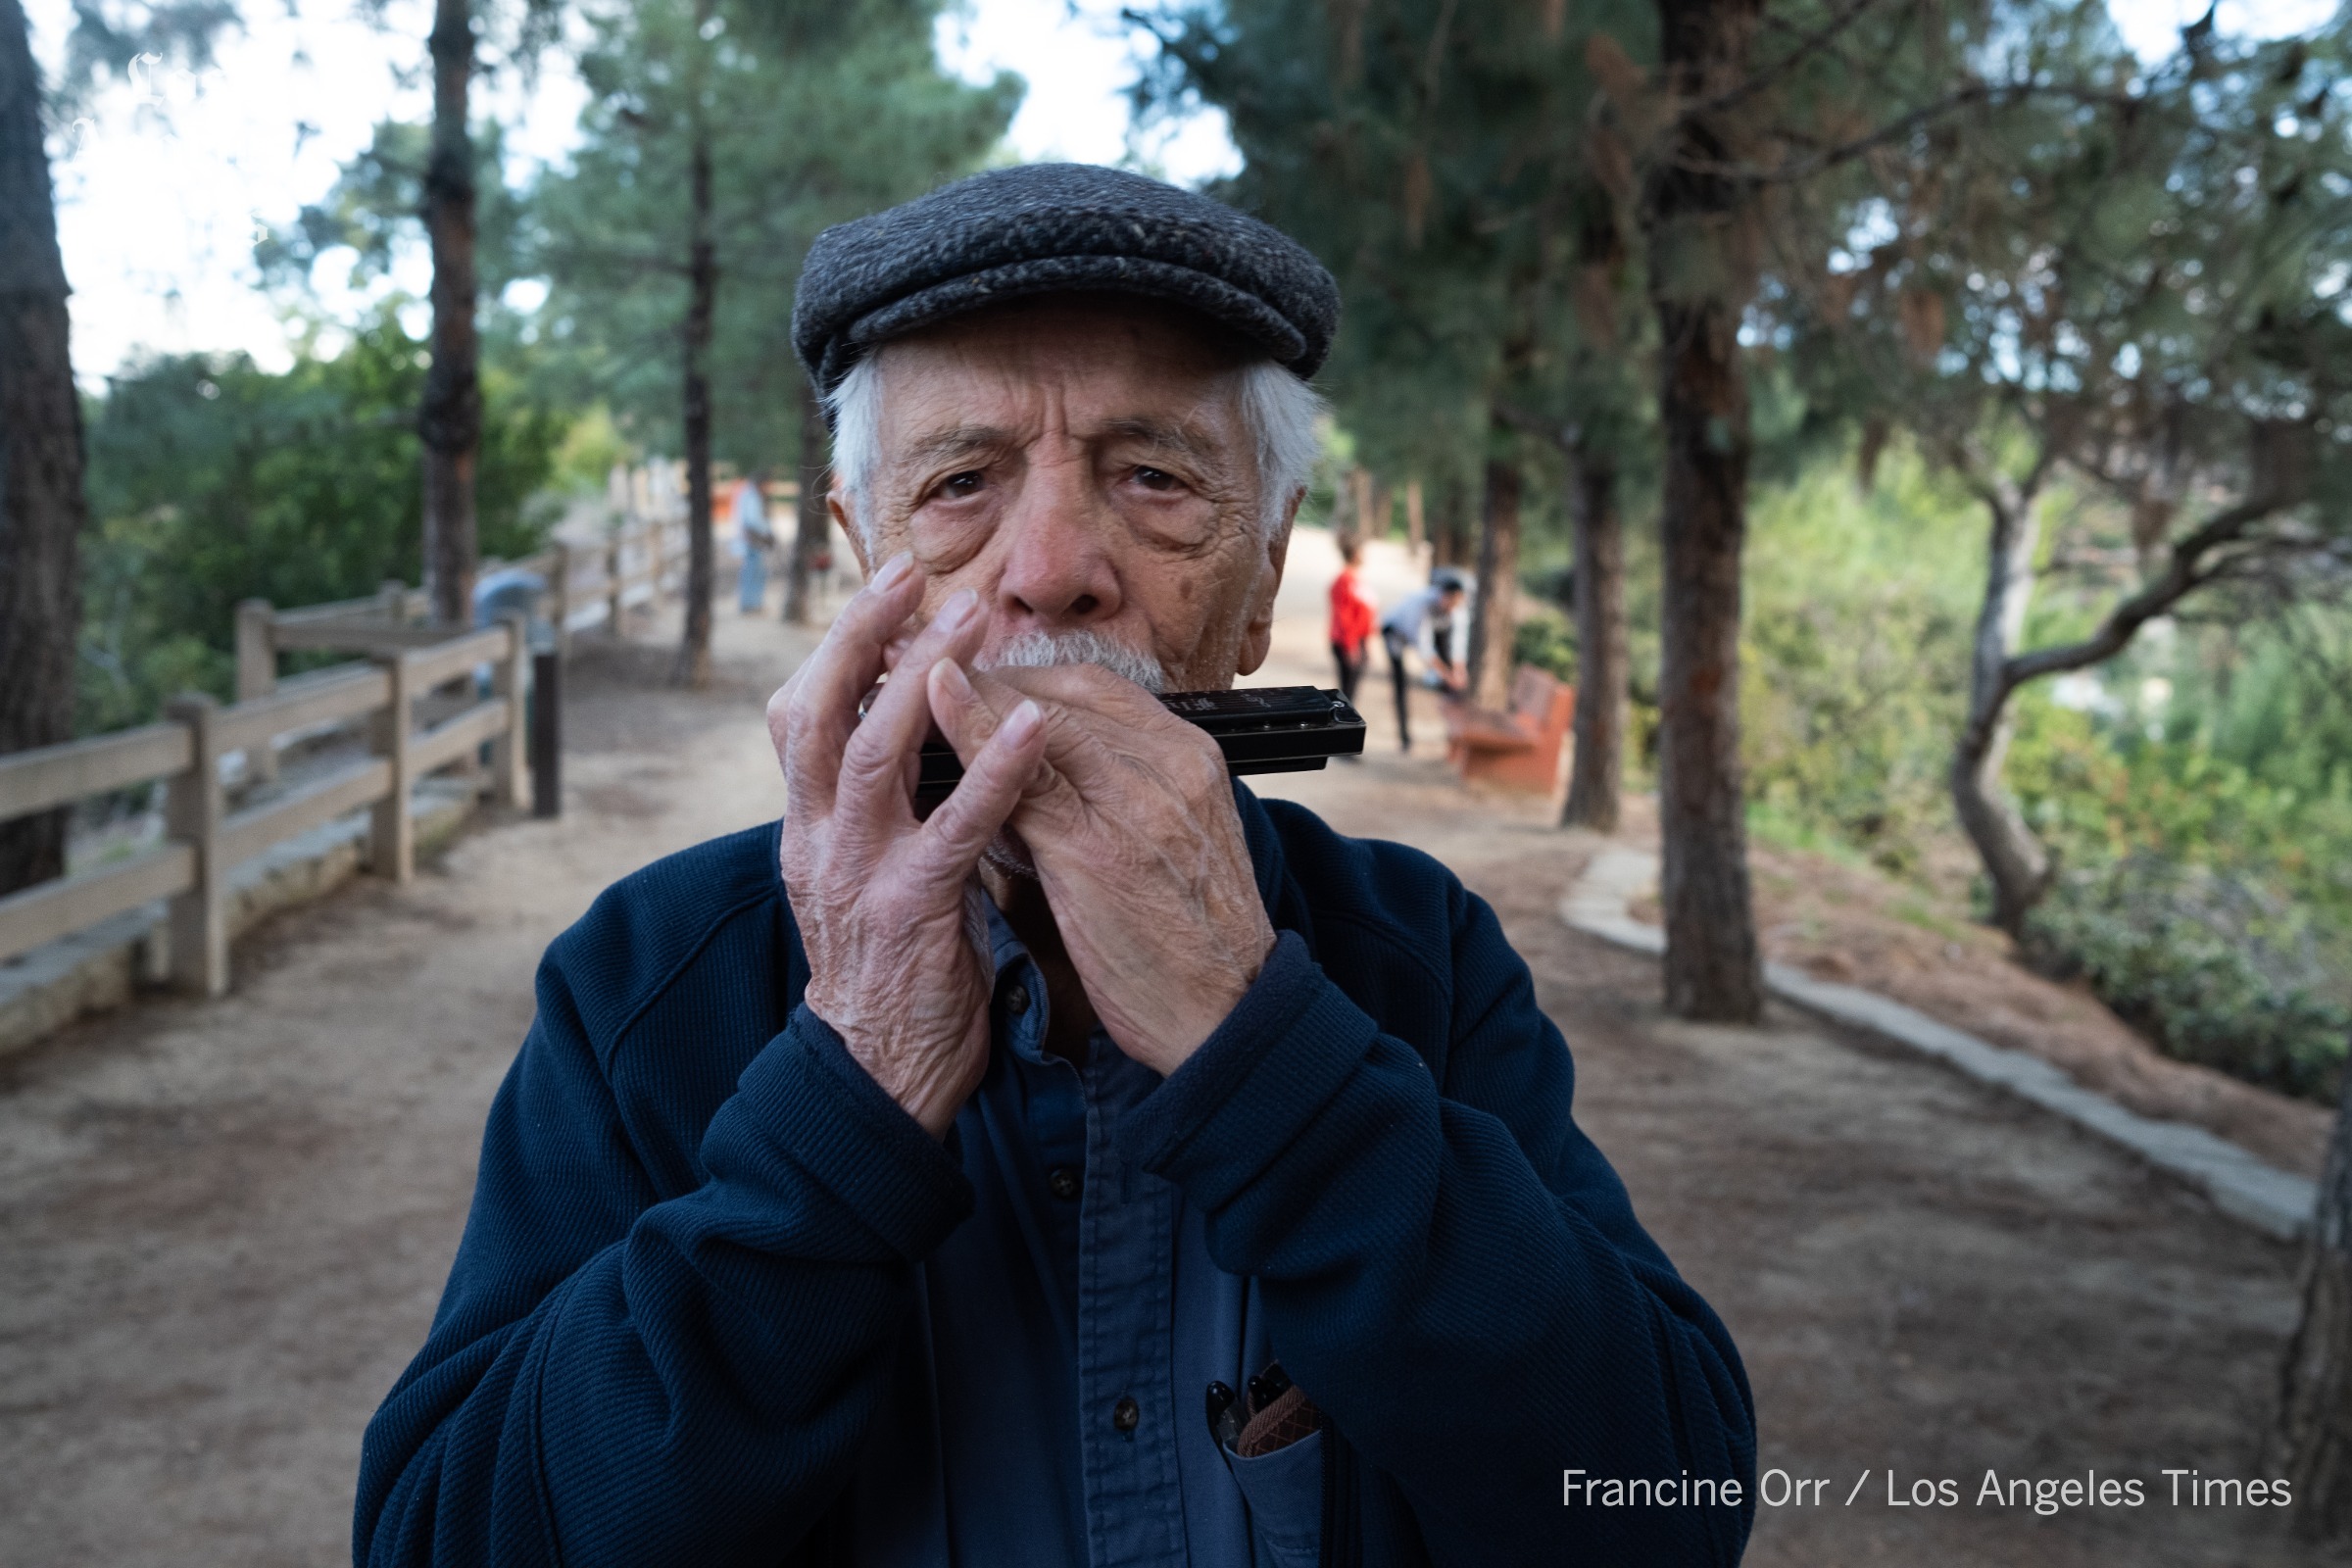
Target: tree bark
43	509
1700	280
702	273
812	533
2313	1434
1449	546
2015	862
1597	769
449	419
1498	612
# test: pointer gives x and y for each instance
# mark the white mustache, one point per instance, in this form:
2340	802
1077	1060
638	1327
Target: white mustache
1039	649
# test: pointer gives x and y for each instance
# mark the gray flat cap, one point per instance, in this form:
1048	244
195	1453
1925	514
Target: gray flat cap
1054	228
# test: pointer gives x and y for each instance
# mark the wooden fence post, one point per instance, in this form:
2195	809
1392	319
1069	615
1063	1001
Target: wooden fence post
615	555
192	813
509	679
257	677
392	835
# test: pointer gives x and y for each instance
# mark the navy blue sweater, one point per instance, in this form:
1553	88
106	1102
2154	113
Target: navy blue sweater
698	1225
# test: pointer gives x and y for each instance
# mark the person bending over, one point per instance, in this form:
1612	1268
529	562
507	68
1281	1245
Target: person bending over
1110	1167
1423	623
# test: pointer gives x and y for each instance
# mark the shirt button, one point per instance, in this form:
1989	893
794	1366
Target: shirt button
1063	1182
1126	1413
1016	1001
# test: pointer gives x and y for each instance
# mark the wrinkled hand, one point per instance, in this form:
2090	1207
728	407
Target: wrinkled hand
1131	823
888	905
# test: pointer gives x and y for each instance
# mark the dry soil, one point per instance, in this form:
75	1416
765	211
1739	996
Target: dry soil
223	1227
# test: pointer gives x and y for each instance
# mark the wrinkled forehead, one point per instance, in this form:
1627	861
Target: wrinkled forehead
1093	362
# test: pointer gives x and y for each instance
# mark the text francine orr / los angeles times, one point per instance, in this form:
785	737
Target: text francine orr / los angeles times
1888	1488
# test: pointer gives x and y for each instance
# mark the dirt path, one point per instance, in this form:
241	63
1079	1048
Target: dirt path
223	1228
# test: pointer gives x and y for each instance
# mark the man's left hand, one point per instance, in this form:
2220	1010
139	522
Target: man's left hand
1130	820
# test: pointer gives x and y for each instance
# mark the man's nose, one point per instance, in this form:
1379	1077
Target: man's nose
1058	568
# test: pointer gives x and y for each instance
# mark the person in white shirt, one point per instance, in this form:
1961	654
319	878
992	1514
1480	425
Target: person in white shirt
1433	623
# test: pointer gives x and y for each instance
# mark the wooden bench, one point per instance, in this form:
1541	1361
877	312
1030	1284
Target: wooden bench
1517	750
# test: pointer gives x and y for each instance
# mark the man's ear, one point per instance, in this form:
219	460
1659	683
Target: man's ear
1257	636
837	503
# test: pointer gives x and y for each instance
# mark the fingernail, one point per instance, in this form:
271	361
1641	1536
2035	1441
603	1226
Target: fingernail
896	567
958	610
1023	719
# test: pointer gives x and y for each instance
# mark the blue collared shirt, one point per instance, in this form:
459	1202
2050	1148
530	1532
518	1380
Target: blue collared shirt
1069	1330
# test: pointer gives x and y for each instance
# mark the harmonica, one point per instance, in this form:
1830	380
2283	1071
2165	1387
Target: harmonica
1260	729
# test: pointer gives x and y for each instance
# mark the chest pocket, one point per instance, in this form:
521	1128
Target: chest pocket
1283	1490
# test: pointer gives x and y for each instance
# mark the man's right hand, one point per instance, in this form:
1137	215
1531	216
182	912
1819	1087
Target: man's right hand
888	904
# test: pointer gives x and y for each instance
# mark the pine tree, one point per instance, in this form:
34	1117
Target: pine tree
42	508
720	139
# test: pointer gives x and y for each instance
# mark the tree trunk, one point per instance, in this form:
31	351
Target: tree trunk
2314	1437
1495	616
1699	281
701	272
42	504
449	419
812	534
1448	540
1357	518
1598	771
2015	862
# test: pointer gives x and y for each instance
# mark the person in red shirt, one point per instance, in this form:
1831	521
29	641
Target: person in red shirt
1351	613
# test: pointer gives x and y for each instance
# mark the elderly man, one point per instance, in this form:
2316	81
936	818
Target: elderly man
1107	1167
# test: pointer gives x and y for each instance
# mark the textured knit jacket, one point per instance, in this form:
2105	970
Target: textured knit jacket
698	1225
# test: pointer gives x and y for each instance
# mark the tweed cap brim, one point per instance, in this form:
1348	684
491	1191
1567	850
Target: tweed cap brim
1056	229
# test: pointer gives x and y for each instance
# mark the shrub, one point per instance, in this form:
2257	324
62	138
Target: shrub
1854	659
2214	969
211	480
1545	641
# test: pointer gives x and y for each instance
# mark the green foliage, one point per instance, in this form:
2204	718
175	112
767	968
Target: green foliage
1439	167
212	482
1854	650
2212	967
2204	901
372	212
808	124
1545	641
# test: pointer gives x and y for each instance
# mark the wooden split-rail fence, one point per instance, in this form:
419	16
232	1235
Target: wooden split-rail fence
416	693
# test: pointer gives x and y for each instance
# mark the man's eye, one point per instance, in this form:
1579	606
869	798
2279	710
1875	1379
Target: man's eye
962	484
1157	479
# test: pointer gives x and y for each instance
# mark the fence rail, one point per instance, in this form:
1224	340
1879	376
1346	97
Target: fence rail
416	693
204	842
586	585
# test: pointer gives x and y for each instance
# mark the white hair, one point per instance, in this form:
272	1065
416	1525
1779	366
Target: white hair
1041	649
1277	409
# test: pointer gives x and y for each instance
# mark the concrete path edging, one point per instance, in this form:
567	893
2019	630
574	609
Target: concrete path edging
2240	1186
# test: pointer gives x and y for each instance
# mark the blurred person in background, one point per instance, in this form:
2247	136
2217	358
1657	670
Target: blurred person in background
1352	617
1431	622
754	539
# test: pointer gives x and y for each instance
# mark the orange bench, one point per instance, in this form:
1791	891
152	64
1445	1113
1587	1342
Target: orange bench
1517	750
